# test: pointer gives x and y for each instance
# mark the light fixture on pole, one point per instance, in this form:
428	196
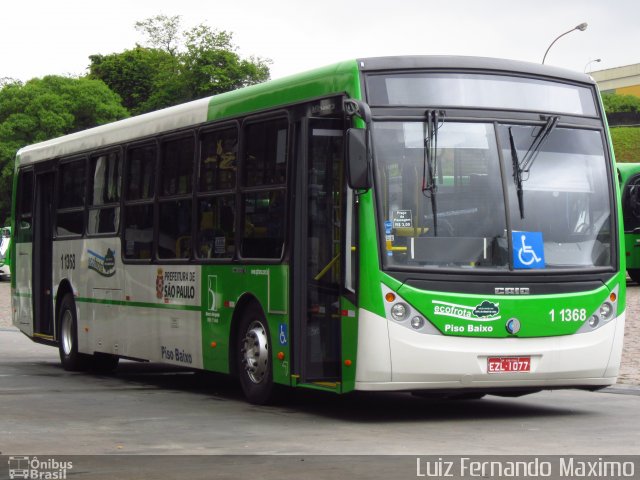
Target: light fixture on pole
597	60
582	27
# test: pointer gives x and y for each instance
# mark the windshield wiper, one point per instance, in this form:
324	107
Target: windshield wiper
524	166
517	172
536	145
430	165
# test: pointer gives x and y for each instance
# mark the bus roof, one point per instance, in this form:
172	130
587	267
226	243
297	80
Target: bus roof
333	79
486	64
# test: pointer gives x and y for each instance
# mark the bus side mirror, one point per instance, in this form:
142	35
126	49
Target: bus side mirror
358	174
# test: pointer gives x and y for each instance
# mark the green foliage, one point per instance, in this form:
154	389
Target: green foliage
136	75
162	32
46	108
176	66
626	143
614	103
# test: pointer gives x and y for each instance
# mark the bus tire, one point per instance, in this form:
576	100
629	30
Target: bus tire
70	358
634	273
254	363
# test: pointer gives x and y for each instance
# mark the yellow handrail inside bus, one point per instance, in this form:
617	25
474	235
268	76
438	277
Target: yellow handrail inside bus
327	268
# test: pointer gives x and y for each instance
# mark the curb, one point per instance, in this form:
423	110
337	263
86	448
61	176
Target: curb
622	389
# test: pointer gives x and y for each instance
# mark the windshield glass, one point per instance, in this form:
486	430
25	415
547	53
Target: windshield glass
480	91
631	205
565	198
471	223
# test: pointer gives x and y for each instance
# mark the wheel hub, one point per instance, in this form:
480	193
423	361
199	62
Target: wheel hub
255	352
65	332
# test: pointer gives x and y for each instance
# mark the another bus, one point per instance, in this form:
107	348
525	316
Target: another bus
629	176
441	225
5	253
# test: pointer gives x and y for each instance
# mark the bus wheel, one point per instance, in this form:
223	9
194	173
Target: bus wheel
68	347
634	273
254	357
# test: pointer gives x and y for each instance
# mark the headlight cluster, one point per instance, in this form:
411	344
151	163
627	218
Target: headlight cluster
605	313
401	312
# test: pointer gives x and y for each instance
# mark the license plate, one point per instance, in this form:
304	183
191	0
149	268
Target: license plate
508	364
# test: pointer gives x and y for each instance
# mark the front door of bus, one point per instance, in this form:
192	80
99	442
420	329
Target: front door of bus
42	253
319	256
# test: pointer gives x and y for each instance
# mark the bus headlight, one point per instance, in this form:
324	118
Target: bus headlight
606	311
417	322
403	314
399	311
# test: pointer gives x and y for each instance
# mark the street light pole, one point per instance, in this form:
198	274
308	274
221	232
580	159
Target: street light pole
582	27
597	60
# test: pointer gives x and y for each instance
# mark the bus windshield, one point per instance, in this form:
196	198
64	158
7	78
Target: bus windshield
480	91
467	220
631	205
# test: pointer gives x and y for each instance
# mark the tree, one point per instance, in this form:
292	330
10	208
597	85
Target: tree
46	108
4	81
162	32
213	67
176	66
134	74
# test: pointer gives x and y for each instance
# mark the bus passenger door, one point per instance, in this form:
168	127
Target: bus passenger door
43	253
318	259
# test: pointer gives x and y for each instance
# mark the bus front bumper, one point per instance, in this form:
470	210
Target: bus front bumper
392	357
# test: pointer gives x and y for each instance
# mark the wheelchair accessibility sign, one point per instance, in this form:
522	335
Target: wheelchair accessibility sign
282	337
528	250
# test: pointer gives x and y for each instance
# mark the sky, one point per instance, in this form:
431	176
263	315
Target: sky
43	37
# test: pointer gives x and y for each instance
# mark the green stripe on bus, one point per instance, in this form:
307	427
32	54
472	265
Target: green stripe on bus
167	306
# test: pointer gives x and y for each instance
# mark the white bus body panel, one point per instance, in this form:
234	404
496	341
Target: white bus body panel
22	303
162	329
122	312
421	361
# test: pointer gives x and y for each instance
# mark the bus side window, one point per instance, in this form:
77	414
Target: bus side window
216	232
216	191
264	189
218	152
105	175
138	216
71	193
176	176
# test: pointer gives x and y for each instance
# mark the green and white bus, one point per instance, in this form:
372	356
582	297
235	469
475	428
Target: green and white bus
5	253
629	177
441	225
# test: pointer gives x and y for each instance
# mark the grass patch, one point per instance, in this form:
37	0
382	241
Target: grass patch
626	143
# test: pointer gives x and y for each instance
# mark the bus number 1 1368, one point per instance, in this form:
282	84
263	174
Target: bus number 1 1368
569	314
